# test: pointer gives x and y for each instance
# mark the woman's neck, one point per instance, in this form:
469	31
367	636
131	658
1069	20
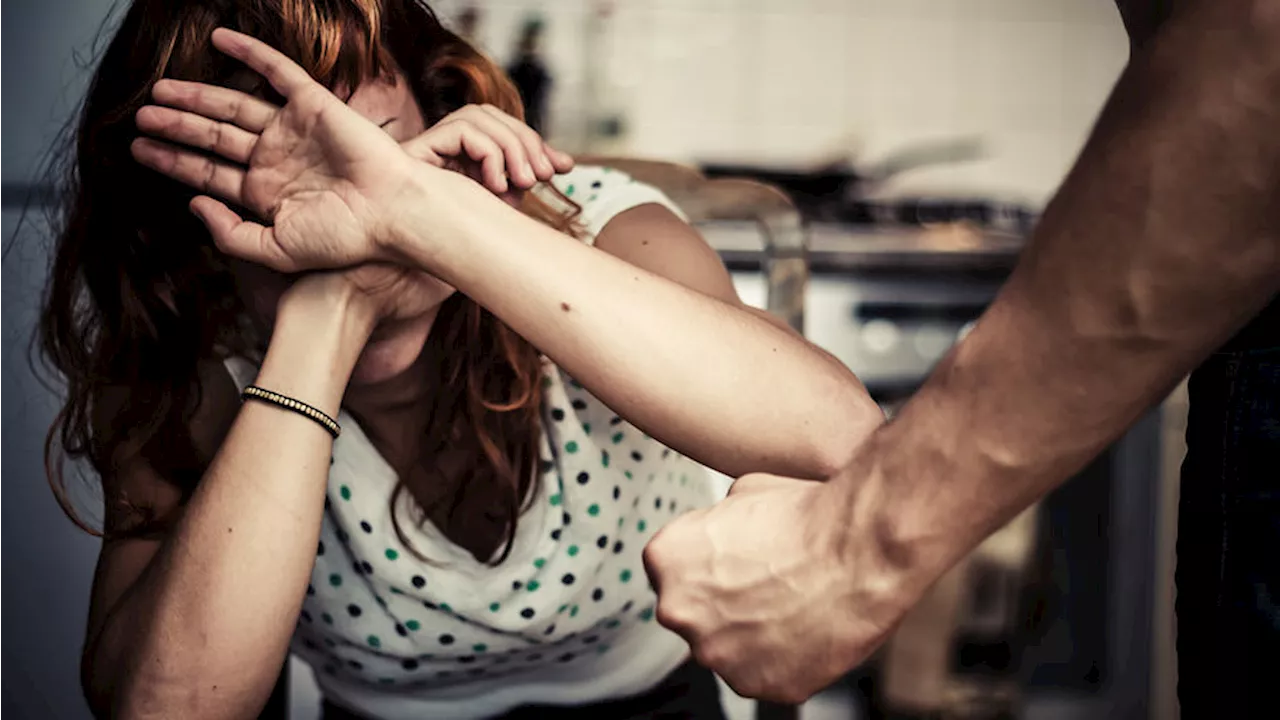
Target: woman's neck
394	412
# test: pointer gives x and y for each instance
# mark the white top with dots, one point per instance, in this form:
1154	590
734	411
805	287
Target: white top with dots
567	618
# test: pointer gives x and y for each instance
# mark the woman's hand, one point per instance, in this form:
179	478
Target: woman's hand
323	177
492	148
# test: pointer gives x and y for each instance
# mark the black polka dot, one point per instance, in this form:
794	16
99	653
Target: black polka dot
306	616
428	605
565	657
555	534
343	536
401	631
657	503
584	478
355	664
557	414
635	455
516	585
617	492
666	452
566	519
366	567
595	185
442	674
602	542
617	547
500	660
409	664
590	639
310	645
326	502
567	579
331	458
320	549
475	671
550	629
365	526
546	466
635	502
418	581
329	643
628	606
446	639
526	613
672	506
597	595
355	567
467	659
579	404
354	610
330	670
534	657
311	589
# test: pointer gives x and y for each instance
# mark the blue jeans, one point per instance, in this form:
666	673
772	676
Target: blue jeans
1228	574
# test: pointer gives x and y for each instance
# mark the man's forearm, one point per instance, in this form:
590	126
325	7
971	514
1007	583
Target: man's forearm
1164	239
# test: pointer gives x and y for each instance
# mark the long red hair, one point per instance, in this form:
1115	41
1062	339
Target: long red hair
139	296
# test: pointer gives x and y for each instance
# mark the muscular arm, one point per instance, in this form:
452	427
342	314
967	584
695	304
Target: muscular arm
1163	240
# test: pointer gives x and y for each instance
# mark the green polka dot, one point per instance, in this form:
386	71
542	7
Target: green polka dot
555	499
573	612
568	191
532	585
684	479
495	607
546	382
625	576
612	624
374	641
562	608
386	681
628	474
392	554
646	614
621	521
617	438
412	624
335	579
479	647
345	492
539	562
327	618
640	526
396	591
573	550
586	428
602	649
593	510
604	458
571	447
445	607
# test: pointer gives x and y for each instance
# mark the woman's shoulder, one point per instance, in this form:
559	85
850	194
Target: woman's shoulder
604	193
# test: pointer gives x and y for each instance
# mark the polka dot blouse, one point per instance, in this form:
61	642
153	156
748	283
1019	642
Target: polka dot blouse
566	618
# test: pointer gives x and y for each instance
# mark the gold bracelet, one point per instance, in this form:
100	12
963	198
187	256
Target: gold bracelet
253	392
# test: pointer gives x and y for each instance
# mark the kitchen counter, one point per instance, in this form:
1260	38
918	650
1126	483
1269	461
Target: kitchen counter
842	249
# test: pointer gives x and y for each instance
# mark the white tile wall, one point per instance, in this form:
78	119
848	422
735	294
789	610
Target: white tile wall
795	81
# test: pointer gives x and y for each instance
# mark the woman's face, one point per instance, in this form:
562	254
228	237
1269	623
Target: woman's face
394	345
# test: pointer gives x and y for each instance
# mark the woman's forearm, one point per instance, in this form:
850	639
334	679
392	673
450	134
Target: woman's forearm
205	628
713	381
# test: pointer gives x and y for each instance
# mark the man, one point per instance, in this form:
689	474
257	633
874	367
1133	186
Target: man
1162	242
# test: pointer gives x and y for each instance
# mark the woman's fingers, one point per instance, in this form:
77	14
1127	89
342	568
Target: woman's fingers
519	167
458	138
240	238
286	76
202	173
534	147
197	131
218	103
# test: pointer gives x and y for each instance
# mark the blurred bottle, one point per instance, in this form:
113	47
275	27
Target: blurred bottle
529	73
468	25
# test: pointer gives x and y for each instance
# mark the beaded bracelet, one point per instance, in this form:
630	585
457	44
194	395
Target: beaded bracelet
253	392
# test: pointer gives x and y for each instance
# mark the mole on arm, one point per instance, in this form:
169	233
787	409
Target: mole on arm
564	306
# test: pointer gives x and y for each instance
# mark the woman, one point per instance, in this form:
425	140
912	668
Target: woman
470	543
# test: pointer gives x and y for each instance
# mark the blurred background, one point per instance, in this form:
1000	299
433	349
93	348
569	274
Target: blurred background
869	168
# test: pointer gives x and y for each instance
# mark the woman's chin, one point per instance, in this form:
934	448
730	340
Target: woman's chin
386	359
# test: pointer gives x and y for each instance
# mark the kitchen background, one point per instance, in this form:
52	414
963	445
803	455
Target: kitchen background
877	115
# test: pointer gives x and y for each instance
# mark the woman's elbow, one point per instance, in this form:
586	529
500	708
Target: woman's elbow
851	418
